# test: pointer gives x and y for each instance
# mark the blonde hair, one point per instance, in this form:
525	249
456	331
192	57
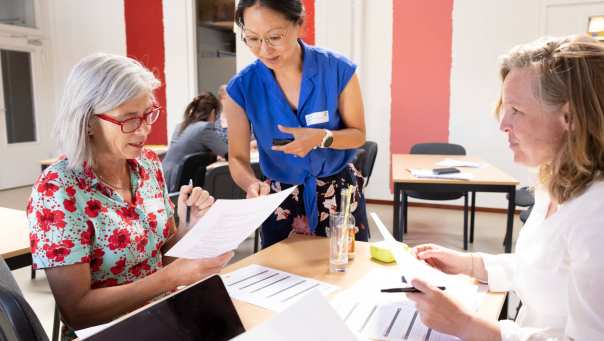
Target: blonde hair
98	83
570	71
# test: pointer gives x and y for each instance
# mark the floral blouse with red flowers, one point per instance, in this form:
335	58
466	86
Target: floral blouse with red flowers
75	218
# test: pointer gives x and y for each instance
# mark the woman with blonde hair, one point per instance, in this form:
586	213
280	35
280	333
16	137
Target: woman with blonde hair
552	109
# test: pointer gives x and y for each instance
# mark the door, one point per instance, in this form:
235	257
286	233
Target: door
24	132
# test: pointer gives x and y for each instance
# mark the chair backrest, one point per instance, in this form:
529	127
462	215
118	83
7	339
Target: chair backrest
365	159
194	167
438	148
220	184
17	319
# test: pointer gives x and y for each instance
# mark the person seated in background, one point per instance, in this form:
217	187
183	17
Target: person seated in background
100	218
196	133
552	110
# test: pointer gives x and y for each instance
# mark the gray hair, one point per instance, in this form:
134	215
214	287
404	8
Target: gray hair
98	83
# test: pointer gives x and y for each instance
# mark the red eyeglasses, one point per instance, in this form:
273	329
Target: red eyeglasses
130	125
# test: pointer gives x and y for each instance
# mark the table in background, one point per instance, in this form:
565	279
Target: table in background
486	179
14	236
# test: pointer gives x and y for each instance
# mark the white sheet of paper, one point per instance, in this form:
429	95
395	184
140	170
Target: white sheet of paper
458	163
395	320
87	332
226	224
390	316
311	318
409	266
428	174
270	288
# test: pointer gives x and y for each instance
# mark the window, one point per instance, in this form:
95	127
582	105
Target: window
17	13
18	96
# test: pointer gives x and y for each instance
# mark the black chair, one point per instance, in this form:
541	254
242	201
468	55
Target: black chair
17	320
525	198
441	149
365	159
220	185
193	167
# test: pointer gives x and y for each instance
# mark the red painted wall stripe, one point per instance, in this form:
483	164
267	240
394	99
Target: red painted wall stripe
421	69
145	43
309	22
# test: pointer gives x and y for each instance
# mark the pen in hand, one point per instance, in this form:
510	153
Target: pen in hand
188	214
405	289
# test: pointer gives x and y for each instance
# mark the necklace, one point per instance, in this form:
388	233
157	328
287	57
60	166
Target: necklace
112	185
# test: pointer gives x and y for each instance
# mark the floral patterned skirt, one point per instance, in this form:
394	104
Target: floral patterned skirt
290	215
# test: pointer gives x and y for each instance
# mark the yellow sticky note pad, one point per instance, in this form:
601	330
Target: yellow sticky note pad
380	251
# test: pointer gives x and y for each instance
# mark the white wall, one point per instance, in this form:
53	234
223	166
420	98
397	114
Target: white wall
376	77
79	28
336	32
563	17
181	58
482	31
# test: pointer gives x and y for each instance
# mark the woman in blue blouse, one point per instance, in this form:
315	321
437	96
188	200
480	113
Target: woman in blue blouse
303	93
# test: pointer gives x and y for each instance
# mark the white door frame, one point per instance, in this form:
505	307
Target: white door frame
23	158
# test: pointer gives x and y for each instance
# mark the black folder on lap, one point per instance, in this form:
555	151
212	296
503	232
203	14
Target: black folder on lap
203	311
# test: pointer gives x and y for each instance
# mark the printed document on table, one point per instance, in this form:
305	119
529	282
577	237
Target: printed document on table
270	288
391	316
429	174
316	312
226	224
394	320
458	163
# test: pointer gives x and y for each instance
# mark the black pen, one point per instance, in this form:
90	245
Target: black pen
405	289
188	218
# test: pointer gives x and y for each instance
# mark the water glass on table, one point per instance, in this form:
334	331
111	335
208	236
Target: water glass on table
338	241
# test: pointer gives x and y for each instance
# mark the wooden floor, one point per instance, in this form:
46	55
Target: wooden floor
426	225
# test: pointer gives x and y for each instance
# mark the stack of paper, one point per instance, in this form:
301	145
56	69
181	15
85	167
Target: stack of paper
428	173
458	163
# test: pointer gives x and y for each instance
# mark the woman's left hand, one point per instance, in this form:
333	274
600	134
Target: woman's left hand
198	199
305	139
438	310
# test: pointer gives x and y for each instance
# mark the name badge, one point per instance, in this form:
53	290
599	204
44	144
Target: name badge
317	118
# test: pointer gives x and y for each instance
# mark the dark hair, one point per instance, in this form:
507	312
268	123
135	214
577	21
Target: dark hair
200	109
292	10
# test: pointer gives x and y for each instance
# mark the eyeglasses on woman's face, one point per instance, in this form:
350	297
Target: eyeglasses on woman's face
130	125
274	38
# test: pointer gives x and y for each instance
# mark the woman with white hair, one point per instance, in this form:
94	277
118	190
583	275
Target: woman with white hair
100	218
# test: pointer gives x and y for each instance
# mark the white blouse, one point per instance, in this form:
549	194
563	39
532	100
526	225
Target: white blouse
557	271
